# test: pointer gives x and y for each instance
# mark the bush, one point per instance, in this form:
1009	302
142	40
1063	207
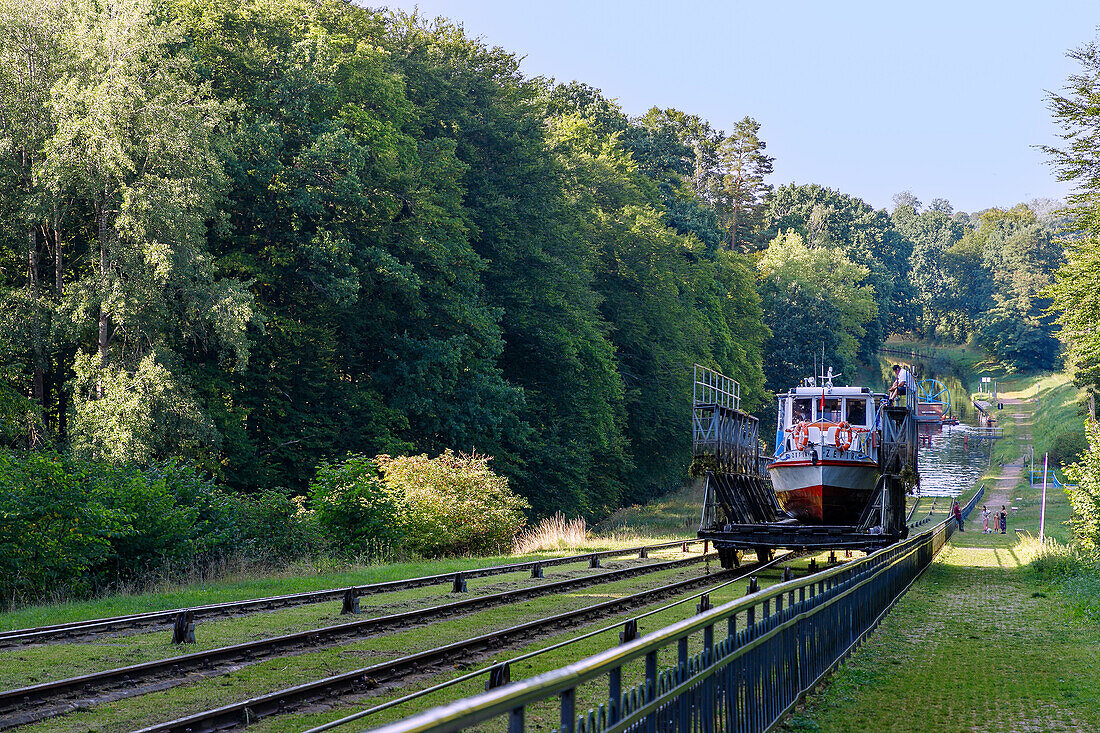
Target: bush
72	527
355	510
1067	448
279	528
452	504
1085	499
54	529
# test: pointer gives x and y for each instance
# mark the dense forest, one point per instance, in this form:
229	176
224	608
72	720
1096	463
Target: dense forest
253	238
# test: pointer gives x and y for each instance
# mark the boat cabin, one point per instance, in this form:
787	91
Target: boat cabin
823	409
853	405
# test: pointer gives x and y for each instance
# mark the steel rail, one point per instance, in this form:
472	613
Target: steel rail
79	629
282	701
501	701
833	587
26	700
553	647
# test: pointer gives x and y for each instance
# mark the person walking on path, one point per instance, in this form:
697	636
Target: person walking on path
1004	519
955	510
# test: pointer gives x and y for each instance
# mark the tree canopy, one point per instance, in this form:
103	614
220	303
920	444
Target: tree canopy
263	236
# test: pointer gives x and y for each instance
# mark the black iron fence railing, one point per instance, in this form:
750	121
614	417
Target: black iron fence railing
774	645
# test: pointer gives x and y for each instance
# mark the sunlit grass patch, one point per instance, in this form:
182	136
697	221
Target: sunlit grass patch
552	533
674	515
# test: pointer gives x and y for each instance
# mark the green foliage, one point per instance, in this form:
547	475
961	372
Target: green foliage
355	508
1076	300
936	276
453	504
828	218
1020	255
815	296
1085	499
277	528
741	190
80	526
1068	448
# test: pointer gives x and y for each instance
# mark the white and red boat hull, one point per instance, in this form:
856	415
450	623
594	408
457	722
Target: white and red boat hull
833	489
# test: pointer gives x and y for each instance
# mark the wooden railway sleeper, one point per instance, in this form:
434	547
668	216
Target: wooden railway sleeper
110	680
432	659
94	627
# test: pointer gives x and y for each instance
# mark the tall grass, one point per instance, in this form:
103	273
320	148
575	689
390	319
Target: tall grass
551	533
1074	572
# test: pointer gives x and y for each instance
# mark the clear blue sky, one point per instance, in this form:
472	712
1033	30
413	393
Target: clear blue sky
945	99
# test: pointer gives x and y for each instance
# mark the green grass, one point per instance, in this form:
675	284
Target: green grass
1061	409
672	516
298	578
979	643
41	663
990	638
275	674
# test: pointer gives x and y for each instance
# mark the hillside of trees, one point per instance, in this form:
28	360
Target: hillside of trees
256	237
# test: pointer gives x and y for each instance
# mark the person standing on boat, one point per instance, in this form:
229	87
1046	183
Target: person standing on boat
903	382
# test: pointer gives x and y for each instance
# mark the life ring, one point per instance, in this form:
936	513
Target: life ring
801	435
843	436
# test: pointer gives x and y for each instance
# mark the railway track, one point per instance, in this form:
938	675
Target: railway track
36	702
78	630
240	714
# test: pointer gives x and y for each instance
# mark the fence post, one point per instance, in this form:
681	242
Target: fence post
682	701
650	689
614	694
568	711
515	721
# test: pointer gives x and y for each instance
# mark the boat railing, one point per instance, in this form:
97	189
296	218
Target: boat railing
824	434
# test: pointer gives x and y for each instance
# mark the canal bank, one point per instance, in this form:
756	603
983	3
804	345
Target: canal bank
982	642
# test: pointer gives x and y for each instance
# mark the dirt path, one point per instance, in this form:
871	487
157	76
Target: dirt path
1000	490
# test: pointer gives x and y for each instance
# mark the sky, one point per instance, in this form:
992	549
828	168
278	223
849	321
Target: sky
943	99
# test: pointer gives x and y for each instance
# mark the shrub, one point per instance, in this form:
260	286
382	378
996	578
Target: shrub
355	509
71	527
53	530
1085	499
452	504
1067	448
279	528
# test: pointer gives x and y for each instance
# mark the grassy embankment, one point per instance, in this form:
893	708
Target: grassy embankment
1000	634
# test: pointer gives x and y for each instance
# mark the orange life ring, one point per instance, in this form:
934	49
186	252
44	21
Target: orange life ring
801	434
843	436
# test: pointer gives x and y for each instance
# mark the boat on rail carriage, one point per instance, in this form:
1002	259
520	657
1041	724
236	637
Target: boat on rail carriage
826	466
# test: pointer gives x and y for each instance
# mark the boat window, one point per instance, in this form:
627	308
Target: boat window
830	409
802	410
857	412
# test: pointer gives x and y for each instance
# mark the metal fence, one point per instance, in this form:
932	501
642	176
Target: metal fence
775	645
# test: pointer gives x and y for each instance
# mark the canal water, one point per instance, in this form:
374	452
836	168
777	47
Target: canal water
951	460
